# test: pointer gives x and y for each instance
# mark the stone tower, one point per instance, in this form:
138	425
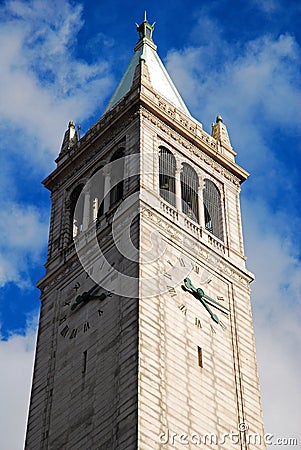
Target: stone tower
145	335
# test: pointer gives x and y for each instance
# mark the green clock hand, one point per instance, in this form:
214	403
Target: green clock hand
205	304
210	300
190	286
216	304
201	296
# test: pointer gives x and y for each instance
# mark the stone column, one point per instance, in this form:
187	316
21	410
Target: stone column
178	187
95	208
86	212
107	186
201	203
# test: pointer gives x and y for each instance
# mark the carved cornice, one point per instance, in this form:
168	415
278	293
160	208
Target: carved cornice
46	285
160	222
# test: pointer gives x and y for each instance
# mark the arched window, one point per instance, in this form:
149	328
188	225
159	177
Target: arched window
116	192
167	172
189	192
77	211
213	210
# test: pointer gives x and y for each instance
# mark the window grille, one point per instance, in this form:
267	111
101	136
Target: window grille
213	210
189	192
167	172
116	192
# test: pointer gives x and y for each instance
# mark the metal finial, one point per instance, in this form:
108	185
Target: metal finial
145	30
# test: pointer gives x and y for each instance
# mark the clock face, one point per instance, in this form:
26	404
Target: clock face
83	305
204	304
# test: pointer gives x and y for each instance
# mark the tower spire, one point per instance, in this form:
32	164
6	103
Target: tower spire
145	29
156	74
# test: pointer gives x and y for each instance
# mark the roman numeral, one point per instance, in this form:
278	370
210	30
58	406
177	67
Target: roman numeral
223	326
65	331
182	262
100	312
167	275
86	326
62	320
197	322
212	329
196	269
73	333
76	286
171	291
183	309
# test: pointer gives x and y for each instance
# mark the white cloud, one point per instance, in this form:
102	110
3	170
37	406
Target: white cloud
277	315
17	355
43	85
256	83
23	232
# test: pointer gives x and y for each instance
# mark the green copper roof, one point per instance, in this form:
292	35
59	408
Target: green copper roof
160	80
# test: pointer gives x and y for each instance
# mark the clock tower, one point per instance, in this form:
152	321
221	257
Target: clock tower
145	336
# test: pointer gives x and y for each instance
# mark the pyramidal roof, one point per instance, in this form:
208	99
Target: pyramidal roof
161	82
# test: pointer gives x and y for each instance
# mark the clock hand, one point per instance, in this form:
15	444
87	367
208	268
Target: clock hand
189	285
90	291
216	304
86	296
79	299
205	304
200	295
102	296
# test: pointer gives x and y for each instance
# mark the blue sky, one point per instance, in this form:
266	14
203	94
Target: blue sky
61	60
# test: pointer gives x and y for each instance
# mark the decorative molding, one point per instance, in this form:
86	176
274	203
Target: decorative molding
161	223
234	274
60	276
